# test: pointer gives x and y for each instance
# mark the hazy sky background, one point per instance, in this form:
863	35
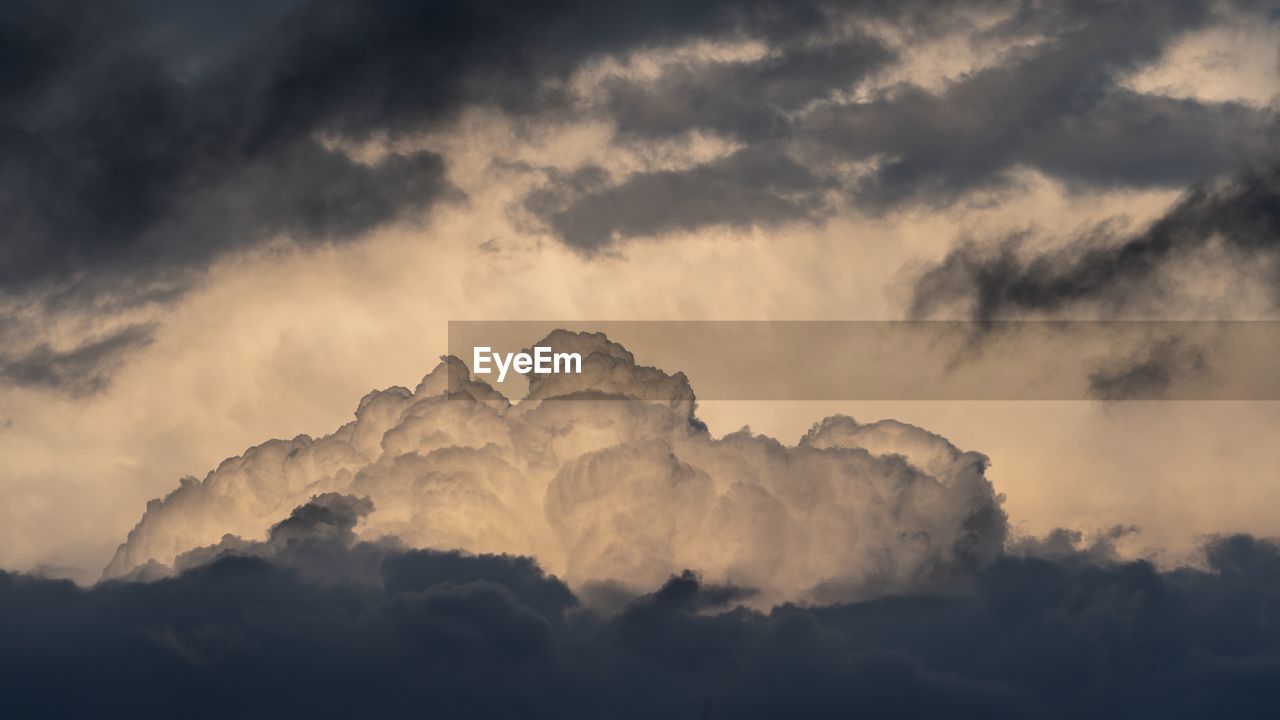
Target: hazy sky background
214	243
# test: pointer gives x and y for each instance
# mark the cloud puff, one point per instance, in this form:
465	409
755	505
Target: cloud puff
313	620
608	477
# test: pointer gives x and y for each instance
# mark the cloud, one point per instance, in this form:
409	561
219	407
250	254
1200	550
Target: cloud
136	140
81	370
1150	375
749	100
608	476
815	113
118	166
1241	215
142	142
1051	103
756	186
386	630
146	136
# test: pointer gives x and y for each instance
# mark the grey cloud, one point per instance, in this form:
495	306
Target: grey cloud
1151	375
1054	104
759	185
750	99
1072	546
141	141
115	165
81	370
115	145
144	140
1000	280
124	128
1058	634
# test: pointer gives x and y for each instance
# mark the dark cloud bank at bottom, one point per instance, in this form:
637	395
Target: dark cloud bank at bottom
313	623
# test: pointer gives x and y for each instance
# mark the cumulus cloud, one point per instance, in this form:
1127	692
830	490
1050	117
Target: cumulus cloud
609	477
315	620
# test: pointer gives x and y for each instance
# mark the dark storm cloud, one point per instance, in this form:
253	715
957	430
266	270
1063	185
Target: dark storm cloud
758	185
258	632
114	163
158	135
1001	281
151	135
140	141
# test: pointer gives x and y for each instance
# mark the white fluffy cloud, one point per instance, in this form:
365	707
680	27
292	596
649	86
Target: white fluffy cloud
609	477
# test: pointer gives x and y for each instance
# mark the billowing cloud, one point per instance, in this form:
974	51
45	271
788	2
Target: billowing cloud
608	476
314	620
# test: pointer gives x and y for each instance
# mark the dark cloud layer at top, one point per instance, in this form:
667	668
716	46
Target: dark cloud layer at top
156	135
141	141
313	623
121	153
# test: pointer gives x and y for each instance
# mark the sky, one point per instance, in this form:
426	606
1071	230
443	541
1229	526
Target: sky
226	224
